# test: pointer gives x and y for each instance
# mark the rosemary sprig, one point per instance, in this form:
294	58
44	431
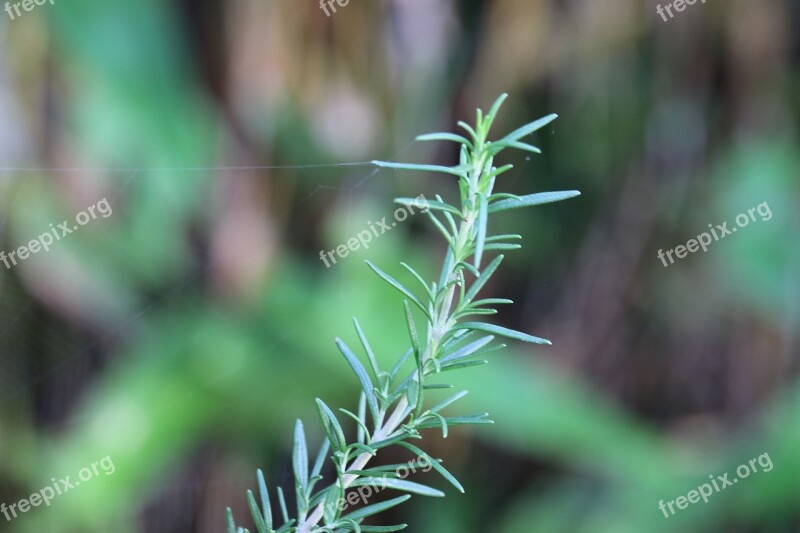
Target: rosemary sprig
396	407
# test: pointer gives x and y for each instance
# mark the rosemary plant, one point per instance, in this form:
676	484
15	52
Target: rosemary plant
392	410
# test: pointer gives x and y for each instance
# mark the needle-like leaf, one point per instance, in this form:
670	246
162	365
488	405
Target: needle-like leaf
457	171
505	332
376	508
370	355
332	428
363	378
397	285
429	204
402	484
481	235
532	199
435	464
444	137
528	129
300	467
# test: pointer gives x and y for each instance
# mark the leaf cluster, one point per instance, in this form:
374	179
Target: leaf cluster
392	406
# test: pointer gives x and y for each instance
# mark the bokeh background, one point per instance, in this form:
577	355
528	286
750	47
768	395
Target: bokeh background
182	335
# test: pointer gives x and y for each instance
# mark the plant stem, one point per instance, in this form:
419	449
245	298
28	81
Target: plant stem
360	462
436	331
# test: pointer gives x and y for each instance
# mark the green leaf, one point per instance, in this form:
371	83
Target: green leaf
503	196
229	520
377	472
494	109
383	529
364	448
370	355
397	285
331	426
443	422
501	246
497	171
497	147
457	170
448	263
479	353
300	455
472	270
389	470
282	502
362	430
532	199
470	311
505	332
389	441
418	278
481	229
504	237
363	377
525	147
412	328
435	464
469	129
478	284
457	337
258	518
286	528
444	137
527	129
418	383
491	301
437	386
464	364
400	363
323	451
452	399
300	467
264	493
330	509
458	421
429	204
376	508
442	229
414	393
449	217
362	427
402	484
